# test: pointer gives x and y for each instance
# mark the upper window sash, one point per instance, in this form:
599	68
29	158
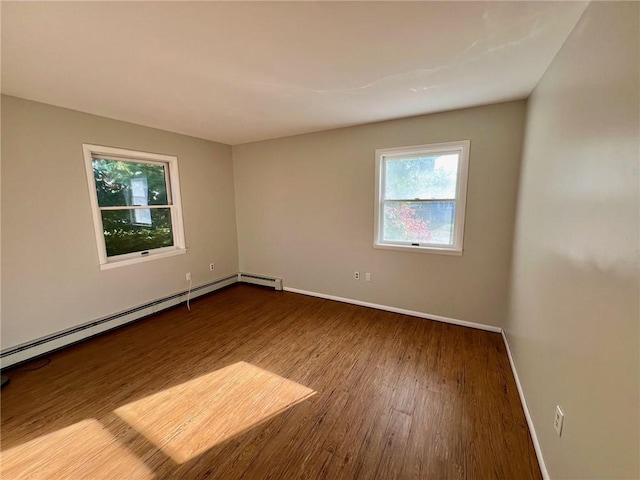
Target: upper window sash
166	167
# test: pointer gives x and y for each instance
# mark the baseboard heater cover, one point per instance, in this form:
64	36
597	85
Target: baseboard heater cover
41	346
265	281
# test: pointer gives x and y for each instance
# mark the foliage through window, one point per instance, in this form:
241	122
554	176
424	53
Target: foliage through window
420	197
136	207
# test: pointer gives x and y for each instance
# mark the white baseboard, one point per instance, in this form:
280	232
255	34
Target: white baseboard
532	429
412	313
47	344
464	323
41	346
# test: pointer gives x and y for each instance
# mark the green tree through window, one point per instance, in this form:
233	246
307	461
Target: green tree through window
135	199
114	181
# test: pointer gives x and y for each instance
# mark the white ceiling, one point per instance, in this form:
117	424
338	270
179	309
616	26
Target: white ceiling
237	72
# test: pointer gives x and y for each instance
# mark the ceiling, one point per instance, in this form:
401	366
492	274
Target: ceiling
237	72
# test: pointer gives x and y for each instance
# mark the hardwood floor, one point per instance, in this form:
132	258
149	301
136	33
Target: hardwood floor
258	384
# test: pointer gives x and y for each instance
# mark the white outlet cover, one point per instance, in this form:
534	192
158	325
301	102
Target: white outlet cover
558	420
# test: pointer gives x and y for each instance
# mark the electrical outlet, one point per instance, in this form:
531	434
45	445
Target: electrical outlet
356	275
367	277
188	276
558	420
212	266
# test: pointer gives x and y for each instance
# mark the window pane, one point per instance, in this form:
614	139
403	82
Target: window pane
123	233
120	183
419	222
426	177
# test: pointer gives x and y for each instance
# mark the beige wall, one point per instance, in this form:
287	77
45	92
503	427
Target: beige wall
573	328
305	212
50	274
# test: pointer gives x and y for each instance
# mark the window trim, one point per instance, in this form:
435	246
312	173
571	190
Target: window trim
461	146
173	203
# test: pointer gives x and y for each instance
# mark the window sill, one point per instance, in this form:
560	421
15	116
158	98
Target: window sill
412	249
131	261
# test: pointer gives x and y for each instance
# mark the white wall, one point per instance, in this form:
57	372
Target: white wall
574	323
51	278
305	212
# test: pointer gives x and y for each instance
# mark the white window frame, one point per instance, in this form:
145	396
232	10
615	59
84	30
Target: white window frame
173	200
460	201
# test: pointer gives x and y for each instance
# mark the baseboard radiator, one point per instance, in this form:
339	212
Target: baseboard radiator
265	281
41	346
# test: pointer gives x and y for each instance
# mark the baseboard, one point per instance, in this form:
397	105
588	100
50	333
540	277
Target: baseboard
464	323
41	346
412	313
24	352
532	429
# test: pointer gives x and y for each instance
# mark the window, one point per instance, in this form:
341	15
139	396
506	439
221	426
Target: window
136	204
420	197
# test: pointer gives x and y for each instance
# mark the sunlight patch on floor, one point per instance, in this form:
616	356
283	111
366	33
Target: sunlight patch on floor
189	419
82	450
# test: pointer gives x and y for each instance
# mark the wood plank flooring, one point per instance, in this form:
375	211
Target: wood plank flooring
321	390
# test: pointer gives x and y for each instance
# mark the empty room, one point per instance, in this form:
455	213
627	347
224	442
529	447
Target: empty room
320	240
